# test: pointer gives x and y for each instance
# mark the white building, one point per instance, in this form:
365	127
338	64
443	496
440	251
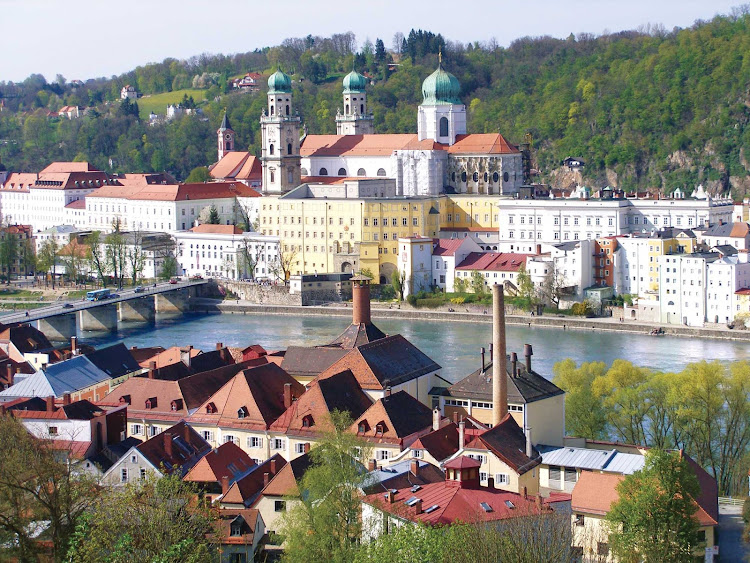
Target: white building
633	266
569	264
128	92
61	234
524	223
682	287
446	255
733	234
415	263
224	251
725	276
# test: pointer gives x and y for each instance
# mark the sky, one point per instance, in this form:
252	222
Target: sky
83	39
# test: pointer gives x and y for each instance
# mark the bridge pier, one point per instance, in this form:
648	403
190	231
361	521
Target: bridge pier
173	301
137	310
101	319
58	328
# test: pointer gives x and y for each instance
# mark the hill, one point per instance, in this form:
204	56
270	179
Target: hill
647	109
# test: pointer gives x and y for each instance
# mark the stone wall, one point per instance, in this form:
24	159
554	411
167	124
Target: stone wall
262	294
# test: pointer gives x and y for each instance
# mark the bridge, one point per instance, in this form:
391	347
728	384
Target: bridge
62	319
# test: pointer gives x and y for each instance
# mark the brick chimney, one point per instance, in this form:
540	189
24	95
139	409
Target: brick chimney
307	447
224	484
168	444
186	433
360	302
66	399
528	352
513	364
152	369
418	507
50	403
490	482
499	368
481	352
266	478
273	467
372	464
414	467
390	496
73	345
219	345
10	373
287	395
461	435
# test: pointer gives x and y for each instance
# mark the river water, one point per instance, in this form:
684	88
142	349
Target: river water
453	345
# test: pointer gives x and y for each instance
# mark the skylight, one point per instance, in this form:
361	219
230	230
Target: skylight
415	488
486	507
433	508
412	501
509	504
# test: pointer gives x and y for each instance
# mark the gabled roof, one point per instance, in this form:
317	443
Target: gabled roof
400	475
228	460
214	359
57	379
237	165
595	492
246	489
36	407
357	335
217	229
115	360
612	461
26	338
310	413
493	261
482	143
64	167
387	362
507	441
730	230
187	447
403	417
253	399
360	145
285	482
301	361
247	518
441	443
446	246
526	387
144	355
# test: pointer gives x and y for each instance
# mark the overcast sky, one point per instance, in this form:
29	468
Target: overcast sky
91	38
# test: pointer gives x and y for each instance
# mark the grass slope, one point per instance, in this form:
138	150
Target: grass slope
158	102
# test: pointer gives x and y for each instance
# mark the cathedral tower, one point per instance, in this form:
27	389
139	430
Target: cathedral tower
355	120
225	136
442	114
280	132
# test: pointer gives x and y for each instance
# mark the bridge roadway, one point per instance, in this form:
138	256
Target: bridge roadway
68	307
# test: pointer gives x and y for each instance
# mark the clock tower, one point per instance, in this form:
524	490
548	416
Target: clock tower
225	137
280	130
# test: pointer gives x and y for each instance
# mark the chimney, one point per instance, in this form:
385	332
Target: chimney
266	478
390	496
418	507
152	369
219	345
66	399
525	493
360	302
481	351
387	391
168	444
186	355
490	482
499	367
224	484
527	352
273	466
50	402
372	464
306	447
10	375
529	446
414	467
491	350
186	433
287	395
461	434
455	417
513	364
539	501
436	419
73	345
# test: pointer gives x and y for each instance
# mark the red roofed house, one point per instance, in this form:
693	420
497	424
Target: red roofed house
243	492
494	267
459	498
219	469
446	255
595	492
239	532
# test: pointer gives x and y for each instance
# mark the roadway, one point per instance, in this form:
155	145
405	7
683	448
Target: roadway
63	307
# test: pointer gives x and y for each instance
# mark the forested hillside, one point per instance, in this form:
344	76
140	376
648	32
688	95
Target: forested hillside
644	109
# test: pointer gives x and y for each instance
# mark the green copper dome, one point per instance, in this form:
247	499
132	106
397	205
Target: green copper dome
354	82
440	88
279	82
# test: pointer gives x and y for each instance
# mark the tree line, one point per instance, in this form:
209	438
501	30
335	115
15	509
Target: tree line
703	409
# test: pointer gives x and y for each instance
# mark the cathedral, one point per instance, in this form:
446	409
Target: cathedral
440	158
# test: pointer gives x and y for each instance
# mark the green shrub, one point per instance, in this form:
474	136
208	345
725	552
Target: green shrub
431	302
458	300
387	293
746	511
411	299
579	309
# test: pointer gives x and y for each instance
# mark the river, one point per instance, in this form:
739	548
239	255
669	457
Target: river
454	345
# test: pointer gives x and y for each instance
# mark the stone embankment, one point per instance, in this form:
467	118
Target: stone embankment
380	311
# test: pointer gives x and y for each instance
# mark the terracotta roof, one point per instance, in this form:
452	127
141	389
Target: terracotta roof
396	419
400	475
708	498
357	335
730	230
187	447
246	489
26	338
493	261
143	355
441	443
309	414
19	181
228	460
252	399
743	291
77	204
446	246
507	441
463	462
237	165
167	357
284	483
302	361
247	517
387	362
482	143
217	229
69	167
328	180
362	145
176	192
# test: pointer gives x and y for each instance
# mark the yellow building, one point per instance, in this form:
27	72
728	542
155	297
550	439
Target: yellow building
668	241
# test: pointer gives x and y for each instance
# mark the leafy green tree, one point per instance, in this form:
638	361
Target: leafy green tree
198	175
584	414
477	283
398	279
179	528
459	285
325	524
213	216
653	519
95	254
115	252
623	391
48	257
8	252
168	268
526	289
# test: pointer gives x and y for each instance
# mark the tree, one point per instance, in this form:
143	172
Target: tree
179	526
8	252
135	256
213	216
198	175
623	393
477	282
654	516
115	252
398	280
38	483
526	288
284	262
47	260
585	416
460	285
325	524
74	257
248	258
553	286
96	254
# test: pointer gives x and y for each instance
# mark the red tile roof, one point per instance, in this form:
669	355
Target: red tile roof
217	229
65	167
176	192
397	419
362	145
284	484
187	447
493	261
482	143
446	246
237	165
246	489
228	460
507	441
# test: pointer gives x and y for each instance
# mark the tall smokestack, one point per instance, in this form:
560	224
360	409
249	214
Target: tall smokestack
360	301
461	435
499	375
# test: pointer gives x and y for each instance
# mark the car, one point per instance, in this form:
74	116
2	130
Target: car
173	280
139	289
114	295
196	277
67	306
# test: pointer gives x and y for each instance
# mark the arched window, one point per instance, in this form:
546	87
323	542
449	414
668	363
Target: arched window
287	109
495	177
463	176
303	171
362	108
307	421
346	108
272	110
361	172
342	172
381	172
229	145
506	176
272	176
323	172
475	176
289	148
443	126
270	148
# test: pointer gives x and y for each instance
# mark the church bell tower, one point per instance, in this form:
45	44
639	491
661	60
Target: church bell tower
355	120
280	132
225	136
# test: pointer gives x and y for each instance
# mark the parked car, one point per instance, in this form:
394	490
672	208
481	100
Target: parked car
173	280
196	277
114	295
139	289
67	306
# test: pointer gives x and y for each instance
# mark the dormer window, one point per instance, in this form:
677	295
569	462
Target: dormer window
210	408
362	427
242	412
125	399
380	428
307	421
176	405
151	403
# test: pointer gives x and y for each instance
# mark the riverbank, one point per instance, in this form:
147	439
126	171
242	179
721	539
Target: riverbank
406	312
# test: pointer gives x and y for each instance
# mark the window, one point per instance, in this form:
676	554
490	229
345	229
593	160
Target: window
143	473
482	476
443	126
124	475
278	444
415	221
228	438
136	429
602	548
299	448
580	520
254	442
279	506
323	172
502	479
289	148
383	454
342	172
208	435
417	453
270	148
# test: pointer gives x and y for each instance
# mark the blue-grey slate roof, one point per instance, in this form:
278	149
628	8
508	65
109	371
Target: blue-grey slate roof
57	379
